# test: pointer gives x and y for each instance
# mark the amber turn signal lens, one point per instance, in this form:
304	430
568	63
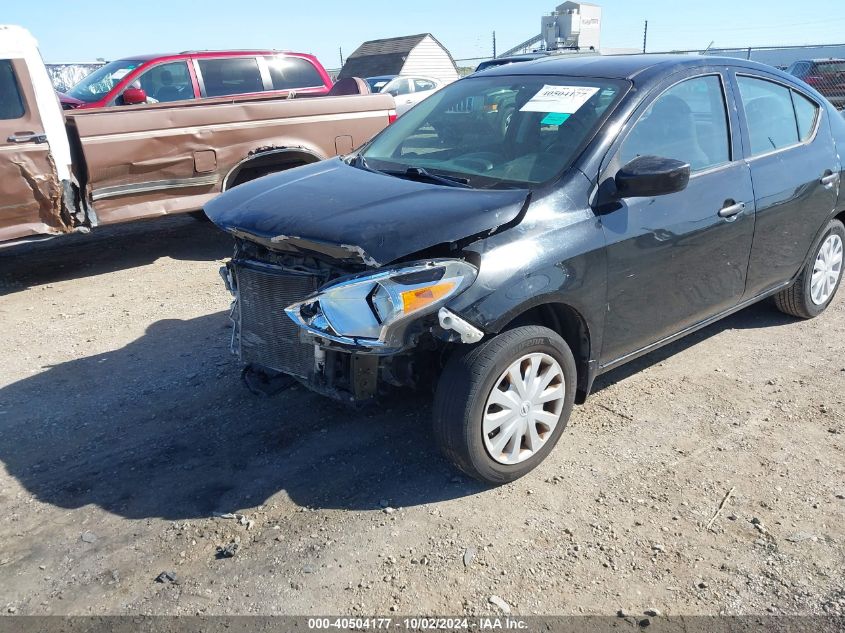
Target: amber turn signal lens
413	300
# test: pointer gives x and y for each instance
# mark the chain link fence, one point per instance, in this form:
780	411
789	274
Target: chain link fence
64	76
822	66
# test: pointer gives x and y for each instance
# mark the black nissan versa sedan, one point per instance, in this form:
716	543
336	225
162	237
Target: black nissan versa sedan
626	202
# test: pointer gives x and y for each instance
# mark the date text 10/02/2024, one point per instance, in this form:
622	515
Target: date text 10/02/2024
419	624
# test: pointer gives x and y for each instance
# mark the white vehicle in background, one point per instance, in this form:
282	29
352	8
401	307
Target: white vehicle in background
409	91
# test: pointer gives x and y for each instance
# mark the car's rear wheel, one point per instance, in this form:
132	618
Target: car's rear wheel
501	406
821	277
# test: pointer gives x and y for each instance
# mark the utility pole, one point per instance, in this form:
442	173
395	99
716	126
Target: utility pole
340	50
494	44
645	35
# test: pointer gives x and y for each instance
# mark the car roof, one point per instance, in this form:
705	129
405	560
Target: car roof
230	53
523	56
618	66
426	77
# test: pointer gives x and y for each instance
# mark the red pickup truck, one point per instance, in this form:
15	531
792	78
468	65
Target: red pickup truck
198	74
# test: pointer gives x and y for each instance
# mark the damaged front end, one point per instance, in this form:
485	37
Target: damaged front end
340	274
343	328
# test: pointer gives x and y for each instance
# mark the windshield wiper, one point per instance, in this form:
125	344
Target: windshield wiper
418	173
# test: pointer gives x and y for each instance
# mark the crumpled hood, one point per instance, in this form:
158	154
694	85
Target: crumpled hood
357	215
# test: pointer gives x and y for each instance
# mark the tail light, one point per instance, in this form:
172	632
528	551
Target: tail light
813	80
391	117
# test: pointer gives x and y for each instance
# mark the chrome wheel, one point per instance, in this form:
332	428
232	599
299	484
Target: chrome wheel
523	408
826	270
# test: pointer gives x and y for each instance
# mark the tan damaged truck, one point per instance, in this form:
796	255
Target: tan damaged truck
62	172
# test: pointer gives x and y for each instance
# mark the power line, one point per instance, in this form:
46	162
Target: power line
759	27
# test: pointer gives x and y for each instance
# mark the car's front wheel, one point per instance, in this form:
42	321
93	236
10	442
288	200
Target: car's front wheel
818	282
502	405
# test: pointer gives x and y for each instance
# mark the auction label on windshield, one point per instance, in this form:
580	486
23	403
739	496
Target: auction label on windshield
559	99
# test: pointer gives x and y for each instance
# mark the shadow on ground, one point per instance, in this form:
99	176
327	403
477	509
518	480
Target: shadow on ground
759	315
164	428
110	248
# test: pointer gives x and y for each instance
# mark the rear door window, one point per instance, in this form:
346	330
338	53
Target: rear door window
230	76
769	113
11	102
688	122
288	73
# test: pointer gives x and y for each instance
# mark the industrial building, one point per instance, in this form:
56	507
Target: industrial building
571	26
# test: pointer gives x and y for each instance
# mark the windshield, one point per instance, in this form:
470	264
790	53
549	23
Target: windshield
99	83
377	83
496	131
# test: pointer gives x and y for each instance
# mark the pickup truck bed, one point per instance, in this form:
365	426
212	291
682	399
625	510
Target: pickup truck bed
60	173
152	160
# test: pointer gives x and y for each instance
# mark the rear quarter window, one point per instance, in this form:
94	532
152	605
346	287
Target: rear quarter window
288	73
421	85
806	112
11	102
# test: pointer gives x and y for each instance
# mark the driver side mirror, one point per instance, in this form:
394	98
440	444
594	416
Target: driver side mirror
134	96
648	176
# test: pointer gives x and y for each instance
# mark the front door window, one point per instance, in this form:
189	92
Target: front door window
167	82
688	122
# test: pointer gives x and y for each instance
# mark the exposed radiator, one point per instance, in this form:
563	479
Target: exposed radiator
267	335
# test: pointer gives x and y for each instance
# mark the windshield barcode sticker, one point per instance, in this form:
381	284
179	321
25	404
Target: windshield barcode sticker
560	99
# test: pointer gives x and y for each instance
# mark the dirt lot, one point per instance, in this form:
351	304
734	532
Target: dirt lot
124	428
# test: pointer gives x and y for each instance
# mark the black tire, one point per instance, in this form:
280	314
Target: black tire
797	299
199	216
463	389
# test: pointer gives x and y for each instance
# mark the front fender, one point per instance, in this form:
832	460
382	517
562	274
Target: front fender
557	259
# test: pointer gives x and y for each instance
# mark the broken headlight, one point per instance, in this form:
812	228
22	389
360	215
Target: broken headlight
366	306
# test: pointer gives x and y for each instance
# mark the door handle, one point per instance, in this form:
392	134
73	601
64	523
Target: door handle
830	179
27	137
732	210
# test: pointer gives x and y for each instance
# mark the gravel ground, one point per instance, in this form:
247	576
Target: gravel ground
125	434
